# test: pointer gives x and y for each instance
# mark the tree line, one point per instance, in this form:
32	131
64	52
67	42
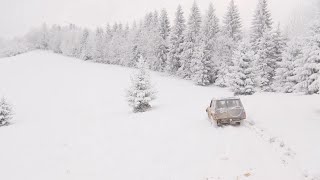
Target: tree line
199	48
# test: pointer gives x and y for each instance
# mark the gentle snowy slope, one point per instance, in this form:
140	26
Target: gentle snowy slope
72	122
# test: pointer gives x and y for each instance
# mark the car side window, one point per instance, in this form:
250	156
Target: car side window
212	104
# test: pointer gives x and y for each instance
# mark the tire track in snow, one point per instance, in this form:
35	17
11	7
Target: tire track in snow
288	156
229	137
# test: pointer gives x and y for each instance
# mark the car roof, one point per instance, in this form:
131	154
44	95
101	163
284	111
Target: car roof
225	98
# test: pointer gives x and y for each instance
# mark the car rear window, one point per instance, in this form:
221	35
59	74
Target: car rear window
228	103
221	104
234	103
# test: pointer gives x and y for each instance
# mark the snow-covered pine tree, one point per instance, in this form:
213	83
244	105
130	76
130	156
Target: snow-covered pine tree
134	51
85	52
176	42
125	46
133	45
55	39
154	37
164	24
5	112
309	74
225	49
192	39
202	65
108	34
114	47
285	78
164	29
118	46
44	37
265	63
120	27
228	42
38	38
128	37
232	24
70	41
156	19
261	23
115	27
111	51
160	45
264	46
126	30
243	72
98	49
279	43
141	92
210	30
149	40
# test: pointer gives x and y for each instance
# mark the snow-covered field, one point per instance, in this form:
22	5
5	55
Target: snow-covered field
72	122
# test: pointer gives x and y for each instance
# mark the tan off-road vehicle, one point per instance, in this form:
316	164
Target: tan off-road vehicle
226	111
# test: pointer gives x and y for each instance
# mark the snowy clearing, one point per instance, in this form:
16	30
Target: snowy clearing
72	122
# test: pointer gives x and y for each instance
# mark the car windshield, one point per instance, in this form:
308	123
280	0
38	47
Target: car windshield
228	103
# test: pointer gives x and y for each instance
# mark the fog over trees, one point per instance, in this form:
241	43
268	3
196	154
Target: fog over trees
202	47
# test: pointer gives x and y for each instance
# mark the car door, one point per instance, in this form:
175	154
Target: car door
211	109
208	110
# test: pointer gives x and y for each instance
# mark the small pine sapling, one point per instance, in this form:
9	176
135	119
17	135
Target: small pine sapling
141	92
5	112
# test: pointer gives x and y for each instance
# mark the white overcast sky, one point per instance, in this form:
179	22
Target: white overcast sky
18	16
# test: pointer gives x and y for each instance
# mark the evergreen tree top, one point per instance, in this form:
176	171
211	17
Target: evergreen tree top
179	16
262	20
179	22
210	24
164	24
194	18
232	23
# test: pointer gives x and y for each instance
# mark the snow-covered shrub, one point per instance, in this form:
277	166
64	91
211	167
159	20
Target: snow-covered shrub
243	78
5	112
141	92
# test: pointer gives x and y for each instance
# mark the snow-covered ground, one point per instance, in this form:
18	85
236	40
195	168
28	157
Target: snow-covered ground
72	122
